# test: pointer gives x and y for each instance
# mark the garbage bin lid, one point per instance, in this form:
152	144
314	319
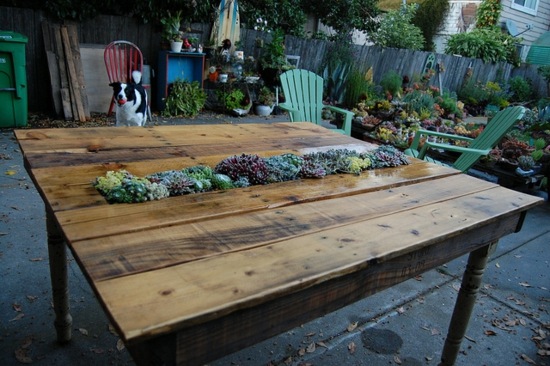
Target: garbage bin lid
9	36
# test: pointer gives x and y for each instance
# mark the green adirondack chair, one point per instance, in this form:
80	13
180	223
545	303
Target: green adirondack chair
303	91
478	147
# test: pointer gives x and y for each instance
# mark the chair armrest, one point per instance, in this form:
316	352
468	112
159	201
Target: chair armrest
420	133
293	112
348	115
461	149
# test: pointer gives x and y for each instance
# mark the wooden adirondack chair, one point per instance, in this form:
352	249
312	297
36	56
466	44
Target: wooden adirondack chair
478	147
303	91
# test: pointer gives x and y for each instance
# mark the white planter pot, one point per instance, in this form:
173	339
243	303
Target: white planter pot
176	46
263	110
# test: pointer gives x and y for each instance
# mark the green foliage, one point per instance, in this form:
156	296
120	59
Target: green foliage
345	15
488	13
185	99
358	88
273	53
335	82
391	82
266	96
289	16
232	99
429	18
418	101
521	90
396	30
488	44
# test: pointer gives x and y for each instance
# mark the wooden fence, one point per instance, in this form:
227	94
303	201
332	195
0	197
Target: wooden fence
104	29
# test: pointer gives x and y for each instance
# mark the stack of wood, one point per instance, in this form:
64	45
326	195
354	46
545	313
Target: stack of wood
65	67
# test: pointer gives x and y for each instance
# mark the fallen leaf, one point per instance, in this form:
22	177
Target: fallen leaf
301	352
397	360
352	326
456	286
120	345
401	310
98	350
490	333
311	348
16	306
434	331
288	361
526	358
31	298
351	347
497	265
18	317
83	331
38	259
543	352
470	339
428	358
322	344
525	284
11	172
22	356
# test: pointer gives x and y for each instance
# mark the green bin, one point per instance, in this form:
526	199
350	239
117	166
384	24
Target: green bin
13	80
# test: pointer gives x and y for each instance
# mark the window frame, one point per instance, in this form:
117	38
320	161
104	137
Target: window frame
526	9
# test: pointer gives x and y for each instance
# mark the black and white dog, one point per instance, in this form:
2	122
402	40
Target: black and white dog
131	102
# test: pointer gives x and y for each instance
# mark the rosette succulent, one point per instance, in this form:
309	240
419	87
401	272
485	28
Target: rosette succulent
249	166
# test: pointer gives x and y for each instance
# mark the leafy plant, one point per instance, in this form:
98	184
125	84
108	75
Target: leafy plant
488	13
232	99
266	96
171	26
396	30
488	44
184	99
335	82
521	90
273	53
358	88
391	83
429	18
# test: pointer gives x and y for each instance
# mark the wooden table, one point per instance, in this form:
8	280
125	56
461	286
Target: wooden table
231	268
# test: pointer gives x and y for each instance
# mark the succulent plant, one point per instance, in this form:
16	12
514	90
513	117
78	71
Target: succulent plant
242	171
249	166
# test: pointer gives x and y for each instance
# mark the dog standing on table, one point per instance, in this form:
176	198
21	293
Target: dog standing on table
131	102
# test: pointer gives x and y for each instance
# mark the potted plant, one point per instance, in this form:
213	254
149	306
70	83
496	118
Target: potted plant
273	59
265	102
171	30
526	164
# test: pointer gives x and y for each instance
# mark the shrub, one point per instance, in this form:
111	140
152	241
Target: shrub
358	88
488	44
429	18
392	83
520	89
396	30
184	99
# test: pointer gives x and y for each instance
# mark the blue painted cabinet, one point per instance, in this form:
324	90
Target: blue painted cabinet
187	66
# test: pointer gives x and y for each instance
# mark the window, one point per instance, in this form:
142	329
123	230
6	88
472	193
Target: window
526	6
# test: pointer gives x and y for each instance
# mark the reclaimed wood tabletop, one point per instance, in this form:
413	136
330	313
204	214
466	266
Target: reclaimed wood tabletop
234	267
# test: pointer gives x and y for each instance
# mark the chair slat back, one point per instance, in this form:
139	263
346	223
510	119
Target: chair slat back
495	130
121	59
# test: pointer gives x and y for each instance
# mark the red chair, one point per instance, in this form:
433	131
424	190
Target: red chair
121	59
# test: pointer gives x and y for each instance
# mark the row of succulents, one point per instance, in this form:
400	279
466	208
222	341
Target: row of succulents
242	171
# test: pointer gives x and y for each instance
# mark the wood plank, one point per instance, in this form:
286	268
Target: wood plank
77	62
49	46
118	219
187	294
132	250
74	85
68	111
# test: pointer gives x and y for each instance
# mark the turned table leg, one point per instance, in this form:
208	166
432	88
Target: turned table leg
471	282
57	252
